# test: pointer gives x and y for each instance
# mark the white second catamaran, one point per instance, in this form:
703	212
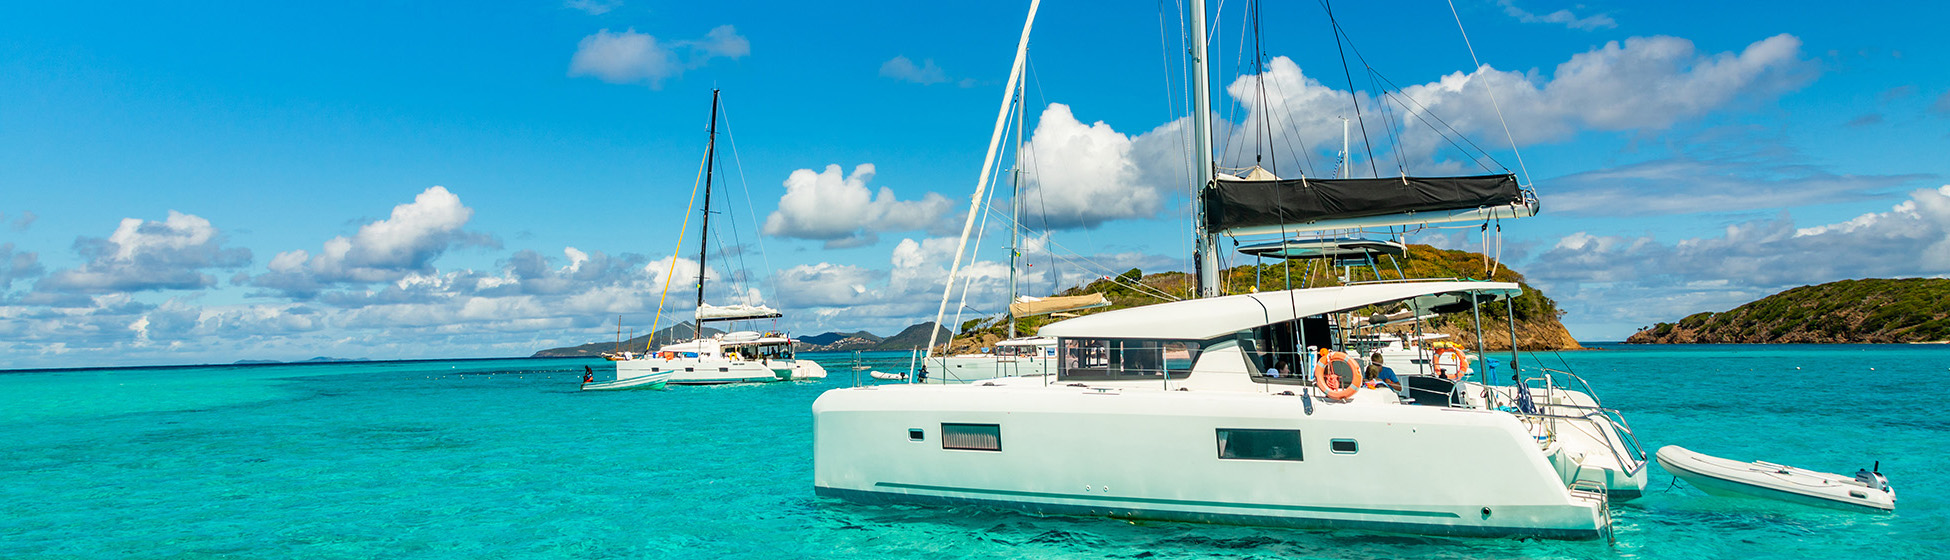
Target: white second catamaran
1254	408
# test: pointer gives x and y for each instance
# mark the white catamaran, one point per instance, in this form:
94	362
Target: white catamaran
731	357
1205	410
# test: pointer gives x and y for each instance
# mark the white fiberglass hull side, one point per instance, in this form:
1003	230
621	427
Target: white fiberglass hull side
630	379
806	370
978	367
717	371
1582	443
1155	455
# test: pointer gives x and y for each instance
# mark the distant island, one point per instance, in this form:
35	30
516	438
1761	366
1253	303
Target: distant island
1538	325
317	360
1849	311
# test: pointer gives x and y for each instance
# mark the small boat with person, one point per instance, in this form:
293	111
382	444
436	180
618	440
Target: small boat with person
1867	490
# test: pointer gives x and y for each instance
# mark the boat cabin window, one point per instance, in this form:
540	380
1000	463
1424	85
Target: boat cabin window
977	437
1263	445
1283	347
1104	359
1017	351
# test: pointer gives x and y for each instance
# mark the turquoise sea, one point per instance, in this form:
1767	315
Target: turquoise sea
505	459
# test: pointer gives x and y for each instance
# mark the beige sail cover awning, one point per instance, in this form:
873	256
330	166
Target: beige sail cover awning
1027	306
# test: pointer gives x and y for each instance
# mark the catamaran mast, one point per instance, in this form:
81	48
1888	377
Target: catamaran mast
1015	213
1207	251
988	166
704	243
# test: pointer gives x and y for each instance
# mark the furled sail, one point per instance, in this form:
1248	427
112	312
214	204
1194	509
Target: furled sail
708	312
1027	306
1240	206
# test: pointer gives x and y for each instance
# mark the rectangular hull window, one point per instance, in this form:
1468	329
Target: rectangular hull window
1264	445
978	437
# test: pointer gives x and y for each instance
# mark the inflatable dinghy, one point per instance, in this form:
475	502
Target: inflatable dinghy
877	374
1868	490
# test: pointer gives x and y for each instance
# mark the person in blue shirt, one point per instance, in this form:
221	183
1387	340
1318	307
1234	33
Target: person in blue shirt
1382	374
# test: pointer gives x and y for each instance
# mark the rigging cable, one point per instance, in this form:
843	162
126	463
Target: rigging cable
1423	109
671	271
1352	95
763	255
1492	91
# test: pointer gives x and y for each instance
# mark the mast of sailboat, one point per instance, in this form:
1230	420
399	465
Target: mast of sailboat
1207	251
988	166
704	235
1015	213
1345	155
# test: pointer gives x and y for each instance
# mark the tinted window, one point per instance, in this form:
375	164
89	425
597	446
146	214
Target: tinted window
1268	445
1118	359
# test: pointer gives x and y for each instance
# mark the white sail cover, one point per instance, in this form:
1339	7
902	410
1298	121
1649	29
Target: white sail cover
708	312
1026	306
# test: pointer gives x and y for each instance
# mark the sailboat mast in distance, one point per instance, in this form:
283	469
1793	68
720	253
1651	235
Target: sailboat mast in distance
704	243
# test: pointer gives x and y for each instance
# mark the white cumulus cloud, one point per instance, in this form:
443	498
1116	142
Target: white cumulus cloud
1641	84
903	69
1082	175
842	211
593	7
1562	17
406	242
629	57
146	255
1635	281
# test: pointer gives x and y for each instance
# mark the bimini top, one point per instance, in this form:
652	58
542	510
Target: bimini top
1242	206
708	312
1202	319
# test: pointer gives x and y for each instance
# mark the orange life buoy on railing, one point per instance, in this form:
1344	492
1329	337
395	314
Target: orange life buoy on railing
1329	380
1462	363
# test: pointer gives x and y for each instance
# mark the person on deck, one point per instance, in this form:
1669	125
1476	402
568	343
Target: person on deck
1379	374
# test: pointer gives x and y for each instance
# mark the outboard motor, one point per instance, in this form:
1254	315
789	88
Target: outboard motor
1872	477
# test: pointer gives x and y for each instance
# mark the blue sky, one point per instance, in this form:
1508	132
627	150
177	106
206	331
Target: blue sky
220	181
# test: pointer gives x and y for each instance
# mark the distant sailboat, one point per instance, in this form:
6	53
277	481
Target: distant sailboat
732	357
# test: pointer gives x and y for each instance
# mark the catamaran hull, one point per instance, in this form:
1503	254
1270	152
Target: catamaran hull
1155	455
969	369
691	371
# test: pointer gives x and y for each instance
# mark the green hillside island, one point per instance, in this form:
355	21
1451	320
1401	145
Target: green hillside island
1538	327
675	333
1876	310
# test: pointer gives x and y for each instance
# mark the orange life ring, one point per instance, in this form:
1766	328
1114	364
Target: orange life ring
1462	363
1337	390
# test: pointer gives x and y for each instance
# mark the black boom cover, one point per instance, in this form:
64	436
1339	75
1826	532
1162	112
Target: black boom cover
1237	204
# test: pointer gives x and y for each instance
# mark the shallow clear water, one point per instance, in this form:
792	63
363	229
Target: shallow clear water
505	459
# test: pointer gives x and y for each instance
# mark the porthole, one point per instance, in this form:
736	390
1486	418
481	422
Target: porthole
1344	446
915	434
